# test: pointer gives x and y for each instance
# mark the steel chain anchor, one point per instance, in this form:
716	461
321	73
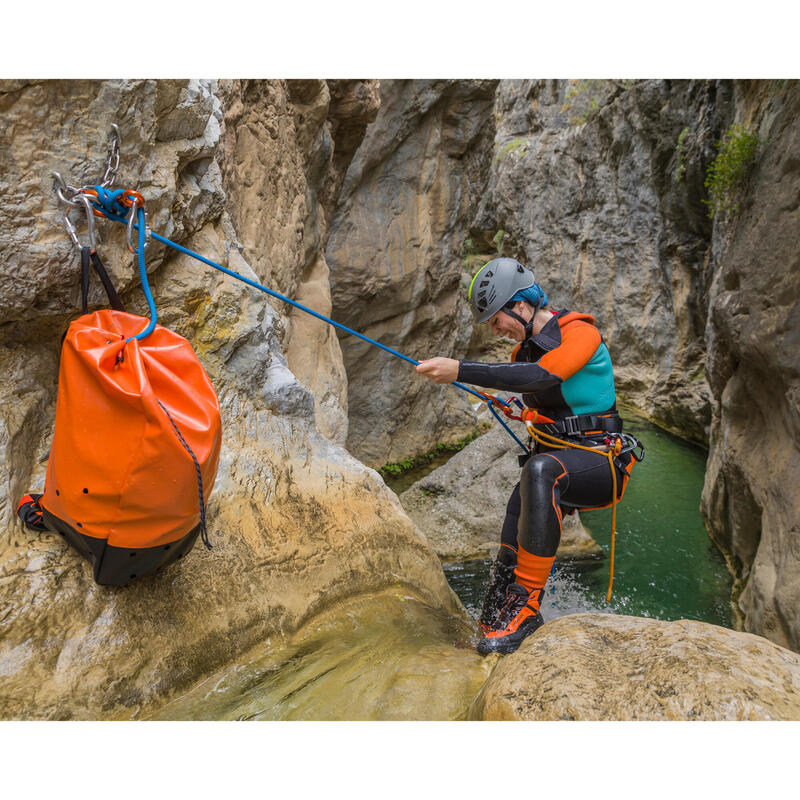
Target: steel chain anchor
113	156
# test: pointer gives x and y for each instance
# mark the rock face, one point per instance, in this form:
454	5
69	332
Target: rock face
241	172
460	506
750	496
394	253
604	667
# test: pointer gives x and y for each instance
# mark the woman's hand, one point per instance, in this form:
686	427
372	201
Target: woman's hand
439	370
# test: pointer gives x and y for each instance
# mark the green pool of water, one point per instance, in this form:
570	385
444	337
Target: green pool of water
665	565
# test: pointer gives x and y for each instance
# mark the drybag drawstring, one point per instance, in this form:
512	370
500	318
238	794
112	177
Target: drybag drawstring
203	531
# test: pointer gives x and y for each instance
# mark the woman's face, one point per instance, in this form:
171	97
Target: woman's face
503	324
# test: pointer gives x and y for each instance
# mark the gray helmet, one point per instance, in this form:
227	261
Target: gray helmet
495	284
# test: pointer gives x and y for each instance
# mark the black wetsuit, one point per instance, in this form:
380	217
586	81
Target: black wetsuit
565	372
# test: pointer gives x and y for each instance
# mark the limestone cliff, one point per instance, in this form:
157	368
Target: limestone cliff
751	496
243	172
394	252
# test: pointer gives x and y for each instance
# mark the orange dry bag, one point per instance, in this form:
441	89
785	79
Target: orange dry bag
136	445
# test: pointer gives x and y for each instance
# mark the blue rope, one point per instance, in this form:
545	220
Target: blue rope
511	433
106	202
143	277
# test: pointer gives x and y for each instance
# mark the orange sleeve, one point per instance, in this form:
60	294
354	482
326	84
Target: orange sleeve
579	341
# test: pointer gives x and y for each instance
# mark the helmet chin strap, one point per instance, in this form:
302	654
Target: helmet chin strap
528	324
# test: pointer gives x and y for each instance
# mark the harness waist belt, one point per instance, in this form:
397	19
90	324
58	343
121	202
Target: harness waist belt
580	423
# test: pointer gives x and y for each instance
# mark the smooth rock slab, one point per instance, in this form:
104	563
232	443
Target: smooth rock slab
601	667
379	656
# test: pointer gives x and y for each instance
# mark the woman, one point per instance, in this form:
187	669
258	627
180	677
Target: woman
562	367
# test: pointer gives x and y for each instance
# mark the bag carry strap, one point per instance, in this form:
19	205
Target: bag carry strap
88	255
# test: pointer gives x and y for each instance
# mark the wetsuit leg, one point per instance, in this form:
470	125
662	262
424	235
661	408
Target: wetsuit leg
572	477
508	535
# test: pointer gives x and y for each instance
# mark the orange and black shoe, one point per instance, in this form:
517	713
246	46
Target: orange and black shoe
30	512
495	598
519	618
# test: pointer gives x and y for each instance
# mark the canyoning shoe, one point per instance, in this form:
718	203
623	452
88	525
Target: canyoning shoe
495	598
518	619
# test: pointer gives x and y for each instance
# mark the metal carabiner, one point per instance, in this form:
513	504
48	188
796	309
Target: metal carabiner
86	201
73	234
60	185
133	218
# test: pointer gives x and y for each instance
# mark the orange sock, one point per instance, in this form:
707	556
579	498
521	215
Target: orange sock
532	571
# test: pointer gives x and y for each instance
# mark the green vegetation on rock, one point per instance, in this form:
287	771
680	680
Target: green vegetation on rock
680	156
510	147
583	100
498	241
420	460
728	172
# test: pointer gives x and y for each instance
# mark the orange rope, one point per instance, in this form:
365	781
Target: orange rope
613	523
530	417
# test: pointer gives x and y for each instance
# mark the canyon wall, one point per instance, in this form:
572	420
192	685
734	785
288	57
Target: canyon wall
750	498
395	250
245	173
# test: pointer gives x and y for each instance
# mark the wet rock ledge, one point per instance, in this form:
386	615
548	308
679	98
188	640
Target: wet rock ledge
609	667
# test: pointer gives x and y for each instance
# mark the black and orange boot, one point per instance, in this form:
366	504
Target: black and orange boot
519	618
495	598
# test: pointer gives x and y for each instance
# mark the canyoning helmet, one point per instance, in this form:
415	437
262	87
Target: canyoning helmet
495	284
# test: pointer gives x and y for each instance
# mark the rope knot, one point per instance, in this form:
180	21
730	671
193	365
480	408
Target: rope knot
108	200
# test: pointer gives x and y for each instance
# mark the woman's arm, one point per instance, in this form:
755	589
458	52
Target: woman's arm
578	344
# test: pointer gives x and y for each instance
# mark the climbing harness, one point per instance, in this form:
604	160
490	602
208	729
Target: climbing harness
615	444
127	206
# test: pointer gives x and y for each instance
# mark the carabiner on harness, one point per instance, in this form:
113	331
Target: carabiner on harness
631	445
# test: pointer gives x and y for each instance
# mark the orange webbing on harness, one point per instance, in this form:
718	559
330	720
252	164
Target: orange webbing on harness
530	417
